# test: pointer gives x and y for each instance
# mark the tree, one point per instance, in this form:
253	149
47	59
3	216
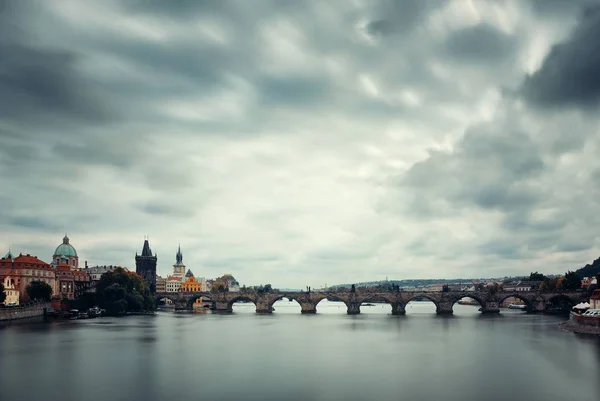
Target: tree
535	276
120	291
39	290
572	281
2	293
549	284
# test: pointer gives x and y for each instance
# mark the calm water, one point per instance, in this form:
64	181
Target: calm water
289	356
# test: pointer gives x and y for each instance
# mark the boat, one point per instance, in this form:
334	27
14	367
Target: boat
515	306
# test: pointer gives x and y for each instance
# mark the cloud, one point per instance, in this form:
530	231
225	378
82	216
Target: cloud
300	143
569	73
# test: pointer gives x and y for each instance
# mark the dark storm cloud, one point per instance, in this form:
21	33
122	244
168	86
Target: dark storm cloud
481	42
485	169
570	73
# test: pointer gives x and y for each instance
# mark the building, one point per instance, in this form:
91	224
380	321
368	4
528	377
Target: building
521	286
145	266
24	269
71	282
12	293
161	284
179	267
595	299
96	272
173	283
586	282
231	284
65	251
190	284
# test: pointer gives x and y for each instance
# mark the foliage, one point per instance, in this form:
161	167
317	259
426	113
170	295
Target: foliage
535	276
549	284
589	270
572	281
39	290
120	291
2	293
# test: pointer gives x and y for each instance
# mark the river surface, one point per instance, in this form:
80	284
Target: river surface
291	357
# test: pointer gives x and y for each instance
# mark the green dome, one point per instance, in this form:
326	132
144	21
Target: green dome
65	249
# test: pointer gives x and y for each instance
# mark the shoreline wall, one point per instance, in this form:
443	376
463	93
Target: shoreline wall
17	313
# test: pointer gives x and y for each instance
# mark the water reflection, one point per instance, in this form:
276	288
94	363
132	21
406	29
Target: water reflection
287	355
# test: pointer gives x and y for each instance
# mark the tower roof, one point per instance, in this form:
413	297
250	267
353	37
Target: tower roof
179	256
189	273
65	249
146	250
9	255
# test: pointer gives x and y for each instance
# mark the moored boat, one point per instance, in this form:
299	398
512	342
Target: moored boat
515	306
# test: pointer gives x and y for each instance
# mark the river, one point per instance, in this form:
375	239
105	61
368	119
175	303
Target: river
292	357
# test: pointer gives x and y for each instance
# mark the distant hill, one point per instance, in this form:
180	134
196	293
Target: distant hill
589	270
417	282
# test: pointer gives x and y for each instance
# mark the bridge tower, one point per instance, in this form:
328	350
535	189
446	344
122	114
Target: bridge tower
145	266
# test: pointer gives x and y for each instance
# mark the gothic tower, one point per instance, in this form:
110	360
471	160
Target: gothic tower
145	266
179	267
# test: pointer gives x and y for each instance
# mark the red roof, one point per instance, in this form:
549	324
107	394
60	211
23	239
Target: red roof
25	261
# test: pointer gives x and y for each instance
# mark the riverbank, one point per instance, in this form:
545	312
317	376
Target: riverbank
582	325
23	312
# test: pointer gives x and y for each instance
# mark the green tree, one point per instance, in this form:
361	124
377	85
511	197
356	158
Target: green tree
120	291
2	293
39	290
572	281
549	284
535	276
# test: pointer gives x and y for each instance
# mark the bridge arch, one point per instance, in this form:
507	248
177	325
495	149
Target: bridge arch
190	301
282	297
331	298
243	298
415	297
528	302
474	297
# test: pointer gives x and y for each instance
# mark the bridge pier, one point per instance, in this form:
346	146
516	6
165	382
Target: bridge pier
308	308
490	307
537	306
445	308
398	309
353	308
222	307
264	308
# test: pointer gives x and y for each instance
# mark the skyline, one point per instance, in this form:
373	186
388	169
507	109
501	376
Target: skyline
304	143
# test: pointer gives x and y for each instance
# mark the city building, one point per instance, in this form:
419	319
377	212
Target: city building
161	284
586	282
231	284
190	284
24	269
521	286
12	293
96	272
65	251
179	267
145	266
173	282
595	299
71	282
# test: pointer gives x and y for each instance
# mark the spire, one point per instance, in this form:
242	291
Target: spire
179	256
146	251
66	239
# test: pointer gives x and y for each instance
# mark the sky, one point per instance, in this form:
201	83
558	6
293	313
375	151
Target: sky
304	142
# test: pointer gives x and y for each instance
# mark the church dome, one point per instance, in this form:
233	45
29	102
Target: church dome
65	249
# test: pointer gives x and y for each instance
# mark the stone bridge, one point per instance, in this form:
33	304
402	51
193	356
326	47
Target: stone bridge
444	301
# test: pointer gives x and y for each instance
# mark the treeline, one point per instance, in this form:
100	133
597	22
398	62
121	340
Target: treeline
589	270
570	281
